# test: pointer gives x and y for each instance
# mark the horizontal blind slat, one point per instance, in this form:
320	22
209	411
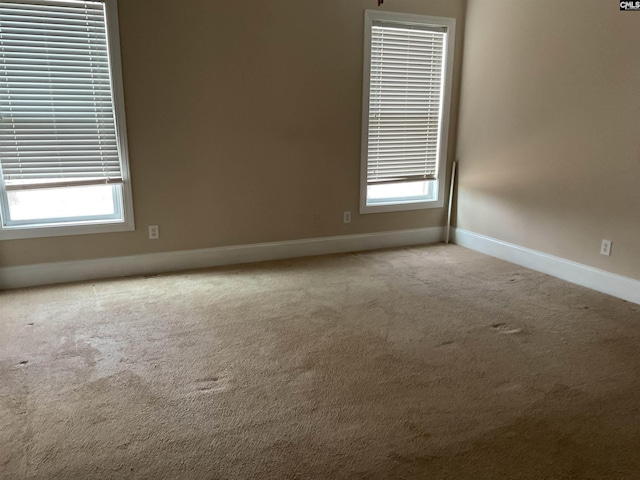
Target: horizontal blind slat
17	36
70	182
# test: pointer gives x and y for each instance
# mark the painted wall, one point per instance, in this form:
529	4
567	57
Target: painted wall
549	134
244	125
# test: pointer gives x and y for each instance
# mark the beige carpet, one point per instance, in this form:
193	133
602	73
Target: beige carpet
430	362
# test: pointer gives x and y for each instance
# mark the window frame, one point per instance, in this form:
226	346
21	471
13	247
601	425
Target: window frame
392	18
79	226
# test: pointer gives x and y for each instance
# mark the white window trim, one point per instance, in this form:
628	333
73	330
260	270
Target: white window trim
407	19
127	224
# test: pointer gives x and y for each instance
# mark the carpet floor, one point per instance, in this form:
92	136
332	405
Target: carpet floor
431	362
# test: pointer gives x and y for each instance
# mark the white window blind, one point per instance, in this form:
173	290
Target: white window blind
56	103
405	101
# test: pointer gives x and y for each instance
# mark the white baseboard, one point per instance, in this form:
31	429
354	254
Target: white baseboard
61	272
578	273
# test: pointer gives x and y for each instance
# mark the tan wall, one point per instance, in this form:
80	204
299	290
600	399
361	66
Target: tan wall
549	142
244	124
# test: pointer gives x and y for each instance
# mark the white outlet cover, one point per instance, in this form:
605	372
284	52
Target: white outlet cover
346	217
605	248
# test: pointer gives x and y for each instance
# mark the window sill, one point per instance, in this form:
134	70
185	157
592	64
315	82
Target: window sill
398	207
16	233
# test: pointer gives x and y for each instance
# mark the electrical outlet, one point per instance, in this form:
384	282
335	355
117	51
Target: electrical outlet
154	232
346	217
605	248
317	220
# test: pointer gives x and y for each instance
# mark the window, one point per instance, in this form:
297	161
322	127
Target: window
407	83
63	149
